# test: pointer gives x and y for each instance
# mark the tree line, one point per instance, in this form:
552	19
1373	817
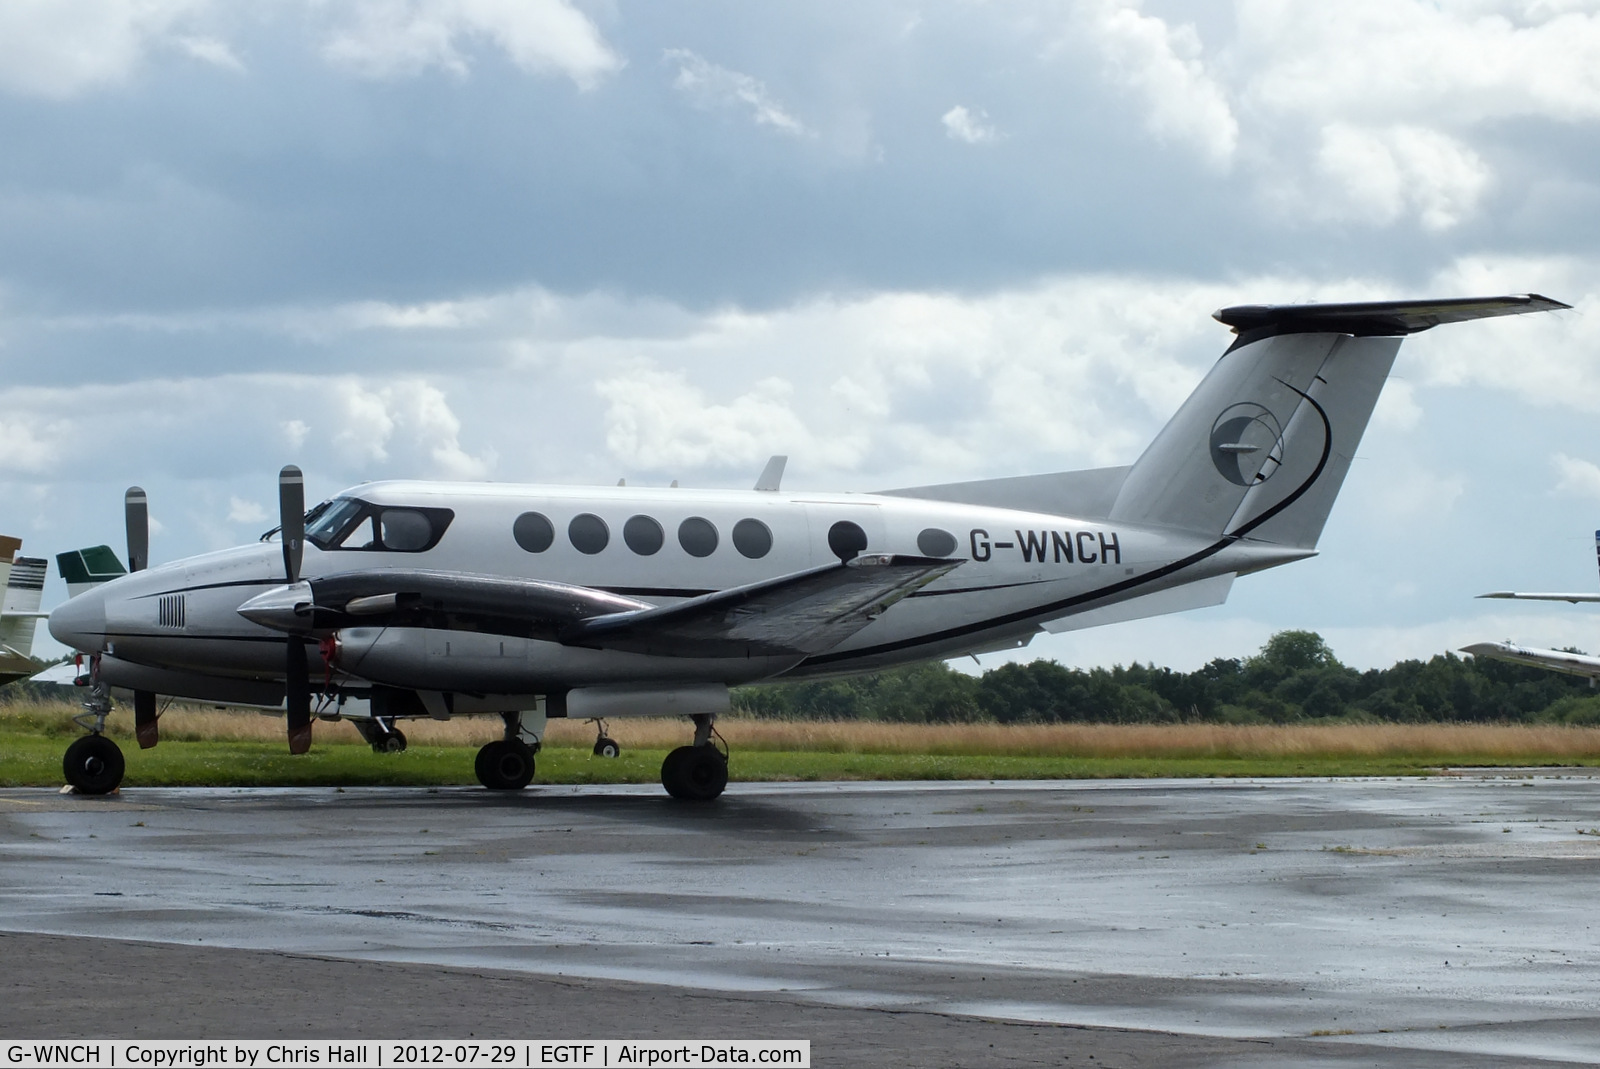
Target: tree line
1295	678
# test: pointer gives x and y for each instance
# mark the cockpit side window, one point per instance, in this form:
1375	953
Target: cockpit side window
354	524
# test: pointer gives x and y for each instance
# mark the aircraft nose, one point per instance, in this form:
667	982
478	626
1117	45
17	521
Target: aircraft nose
80	622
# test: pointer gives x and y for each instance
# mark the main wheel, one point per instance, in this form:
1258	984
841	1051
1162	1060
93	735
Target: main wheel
391	741
93	765
504	765
694	773
604	747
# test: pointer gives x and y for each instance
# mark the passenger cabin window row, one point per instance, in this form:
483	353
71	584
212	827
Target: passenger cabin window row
697	536
590	534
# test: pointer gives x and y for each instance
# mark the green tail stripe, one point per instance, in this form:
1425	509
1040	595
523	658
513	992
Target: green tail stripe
96	564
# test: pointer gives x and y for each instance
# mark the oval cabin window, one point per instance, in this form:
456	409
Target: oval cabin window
752	538
533	532
933	542
643	535
697	536
588	533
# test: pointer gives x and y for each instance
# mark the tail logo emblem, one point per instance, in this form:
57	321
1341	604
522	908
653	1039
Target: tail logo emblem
1246	444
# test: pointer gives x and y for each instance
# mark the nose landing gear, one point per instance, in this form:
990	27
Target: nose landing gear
94	764
697	773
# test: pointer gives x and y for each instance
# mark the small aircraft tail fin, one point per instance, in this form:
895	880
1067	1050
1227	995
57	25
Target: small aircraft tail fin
84	569
1263	444
19	611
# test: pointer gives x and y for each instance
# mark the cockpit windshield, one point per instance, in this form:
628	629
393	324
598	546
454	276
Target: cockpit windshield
324	531
350	523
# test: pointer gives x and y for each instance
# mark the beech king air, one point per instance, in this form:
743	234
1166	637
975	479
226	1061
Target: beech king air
431	599
1572	664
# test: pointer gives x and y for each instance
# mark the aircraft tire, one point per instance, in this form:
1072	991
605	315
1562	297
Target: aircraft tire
694	773
393	741
504	765
93	765
604	747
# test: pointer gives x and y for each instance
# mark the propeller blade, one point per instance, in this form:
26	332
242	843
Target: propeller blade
144	719
292	517
297	694
136	509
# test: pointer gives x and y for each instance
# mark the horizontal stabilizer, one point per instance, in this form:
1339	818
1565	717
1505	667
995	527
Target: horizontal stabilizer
805	612
1573	664
1512	595
1368	318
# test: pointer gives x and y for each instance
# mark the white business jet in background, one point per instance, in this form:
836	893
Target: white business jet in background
431	599
1573	664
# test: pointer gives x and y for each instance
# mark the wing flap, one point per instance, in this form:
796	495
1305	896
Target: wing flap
801	613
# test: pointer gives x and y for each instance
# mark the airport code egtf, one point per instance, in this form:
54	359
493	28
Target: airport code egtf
257	1054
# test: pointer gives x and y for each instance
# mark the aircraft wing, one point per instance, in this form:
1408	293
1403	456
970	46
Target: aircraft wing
1512	594
802	613
1573	664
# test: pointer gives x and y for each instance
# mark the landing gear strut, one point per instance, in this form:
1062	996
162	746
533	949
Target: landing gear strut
507	764
696	773
604	745
93	764
381	735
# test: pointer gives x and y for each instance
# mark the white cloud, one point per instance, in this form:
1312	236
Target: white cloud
968	124
1376	176
1397	407
211	50
1162	65
709	86
1551	360
411	411
394	38
1383	61
242	511
1580	478
58	50
24	447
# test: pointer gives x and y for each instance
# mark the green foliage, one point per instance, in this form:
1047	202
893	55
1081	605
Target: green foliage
1295	678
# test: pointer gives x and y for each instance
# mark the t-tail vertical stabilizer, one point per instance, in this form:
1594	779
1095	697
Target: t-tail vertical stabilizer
1263	444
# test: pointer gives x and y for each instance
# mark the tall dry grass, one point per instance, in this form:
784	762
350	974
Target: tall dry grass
1509	742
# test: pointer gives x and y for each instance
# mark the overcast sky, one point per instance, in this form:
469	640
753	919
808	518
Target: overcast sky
903	243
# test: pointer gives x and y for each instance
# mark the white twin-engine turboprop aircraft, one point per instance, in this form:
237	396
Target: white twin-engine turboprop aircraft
1573	664
449	599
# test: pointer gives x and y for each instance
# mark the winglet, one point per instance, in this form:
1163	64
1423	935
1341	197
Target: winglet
772	474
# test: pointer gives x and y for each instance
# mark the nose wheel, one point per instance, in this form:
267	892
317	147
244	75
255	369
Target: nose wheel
93	765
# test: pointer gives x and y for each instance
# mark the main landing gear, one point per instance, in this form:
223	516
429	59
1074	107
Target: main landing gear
381	735
605	745
93	764
507	764
696	773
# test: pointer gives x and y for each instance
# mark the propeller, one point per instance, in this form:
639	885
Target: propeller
136	512
296	672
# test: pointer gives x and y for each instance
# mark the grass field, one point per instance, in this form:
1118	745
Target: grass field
209	747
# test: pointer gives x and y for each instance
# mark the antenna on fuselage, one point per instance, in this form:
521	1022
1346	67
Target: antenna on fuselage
772	474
